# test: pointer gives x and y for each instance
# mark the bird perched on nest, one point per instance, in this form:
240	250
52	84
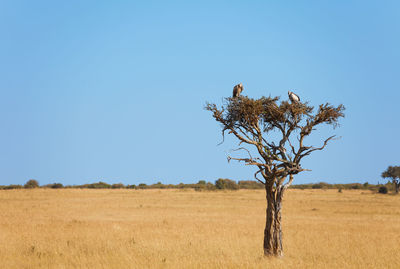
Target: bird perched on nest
293	97
237	90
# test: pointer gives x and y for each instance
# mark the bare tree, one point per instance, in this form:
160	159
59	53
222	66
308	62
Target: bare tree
274	132
393	172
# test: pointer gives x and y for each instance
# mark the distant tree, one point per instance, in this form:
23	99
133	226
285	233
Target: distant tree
142	186
57	186
118	186
356	186
393	173
12	187
98	185
267	126
317	186
158	185
30	184
226	184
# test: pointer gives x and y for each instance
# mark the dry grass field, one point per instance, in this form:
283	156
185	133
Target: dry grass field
72	228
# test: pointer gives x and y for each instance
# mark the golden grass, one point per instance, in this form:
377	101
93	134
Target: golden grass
72	228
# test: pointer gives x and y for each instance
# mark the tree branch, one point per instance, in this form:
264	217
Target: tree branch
311	149
250	120
255	176
248	161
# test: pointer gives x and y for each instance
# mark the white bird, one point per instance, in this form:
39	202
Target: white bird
237	90
293	97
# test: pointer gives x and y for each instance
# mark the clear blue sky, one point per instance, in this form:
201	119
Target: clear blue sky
115	90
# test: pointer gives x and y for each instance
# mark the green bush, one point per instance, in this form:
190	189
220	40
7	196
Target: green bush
339	186
158	185
30	184
383	190
118	186
226	184
142	186
317	186
12	187
321	185
99	185
56	186
204	186
356	186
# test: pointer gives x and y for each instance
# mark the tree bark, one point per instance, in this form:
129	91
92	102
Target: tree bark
273	228
397	186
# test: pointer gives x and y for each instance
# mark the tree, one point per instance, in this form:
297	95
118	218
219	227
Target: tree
393	172
267	127
30	184
228	184
57	186
118	186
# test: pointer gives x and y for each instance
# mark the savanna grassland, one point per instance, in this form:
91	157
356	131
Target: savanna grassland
82	228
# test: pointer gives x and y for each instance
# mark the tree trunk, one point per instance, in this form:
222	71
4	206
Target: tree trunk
397	186
273	228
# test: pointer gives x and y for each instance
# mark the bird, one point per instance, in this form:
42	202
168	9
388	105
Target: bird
237	90
293	97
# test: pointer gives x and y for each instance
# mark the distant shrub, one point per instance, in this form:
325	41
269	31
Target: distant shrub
180	186
301	186
12	187
204	186
131	186
227	184
340	190
339	186
325	185
317	186
372	187
356	186
210	186
321	185
56	186
99	185
390	186
201	182
158	185
118	186
250	184
383	190
142	186
30	184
